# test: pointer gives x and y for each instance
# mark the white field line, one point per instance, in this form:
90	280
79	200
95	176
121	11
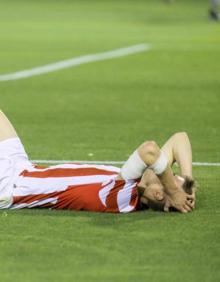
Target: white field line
107	162
116	53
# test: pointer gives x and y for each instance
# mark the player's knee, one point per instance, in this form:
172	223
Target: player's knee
181	134
149	152
149	147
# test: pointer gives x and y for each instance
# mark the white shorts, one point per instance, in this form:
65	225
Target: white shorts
13	160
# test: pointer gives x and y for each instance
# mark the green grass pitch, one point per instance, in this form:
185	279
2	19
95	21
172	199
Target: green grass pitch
108	108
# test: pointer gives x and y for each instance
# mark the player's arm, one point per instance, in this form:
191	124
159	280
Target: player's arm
178	149
6	128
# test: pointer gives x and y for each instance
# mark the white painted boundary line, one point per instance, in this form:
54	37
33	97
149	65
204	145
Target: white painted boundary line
107	162
116	53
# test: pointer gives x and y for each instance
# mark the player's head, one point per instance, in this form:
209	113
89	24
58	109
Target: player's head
153	195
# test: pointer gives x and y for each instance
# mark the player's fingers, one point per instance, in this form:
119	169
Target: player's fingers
193	205
190	204
190	197
187	208
183	210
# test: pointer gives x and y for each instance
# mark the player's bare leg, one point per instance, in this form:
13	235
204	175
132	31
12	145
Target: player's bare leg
178	149
6	128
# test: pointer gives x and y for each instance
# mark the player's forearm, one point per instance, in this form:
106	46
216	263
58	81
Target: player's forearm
6	129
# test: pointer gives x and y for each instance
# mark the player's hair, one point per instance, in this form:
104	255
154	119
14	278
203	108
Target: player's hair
156	205
188	185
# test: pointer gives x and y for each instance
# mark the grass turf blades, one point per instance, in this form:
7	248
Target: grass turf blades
103	111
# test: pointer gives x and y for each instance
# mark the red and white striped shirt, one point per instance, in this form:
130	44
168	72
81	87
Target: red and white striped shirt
75	187
67	186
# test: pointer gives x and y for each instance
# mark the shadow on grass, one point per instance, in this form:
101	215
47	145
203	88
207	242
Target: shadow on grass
93	218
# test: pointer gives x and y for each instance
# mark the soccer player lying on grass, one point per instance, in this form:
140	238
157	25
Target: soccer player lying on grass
145	180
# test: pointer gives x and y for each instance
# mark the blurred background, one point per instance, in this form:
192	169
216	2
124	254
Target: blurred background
107	108
102	110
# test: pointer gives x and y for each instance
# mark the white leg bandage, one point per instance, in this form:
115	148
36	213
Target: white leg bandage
160	165
134	167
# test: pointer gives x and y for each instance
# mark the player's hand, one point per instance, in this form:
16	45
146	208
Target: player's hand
192	198
179	200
